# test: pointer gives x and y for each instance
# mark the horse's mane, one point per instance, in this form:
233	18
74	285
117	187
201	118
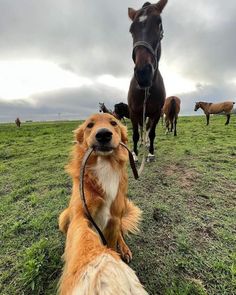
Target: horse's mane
146	4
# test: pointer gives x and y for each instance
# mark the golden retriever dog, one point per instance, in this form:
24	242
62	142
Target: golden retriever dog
90	267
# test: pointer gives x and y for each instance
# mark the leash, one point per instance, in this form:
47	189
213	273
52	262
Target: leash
131	161
82	195
144	130
81	186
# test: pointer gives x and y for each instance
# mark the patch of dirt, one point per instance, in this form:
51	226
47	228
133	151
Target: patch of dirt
186	176
161	216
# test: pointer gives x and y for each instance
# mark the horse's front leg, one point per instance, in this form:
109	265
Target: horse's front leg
175	123
152	134
135	140
167	126
228	118
208	118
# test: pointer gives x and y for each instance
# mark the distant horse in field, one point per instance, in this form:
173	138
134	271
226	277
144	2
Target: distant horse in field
147	90
104	109
18	122
215	108
171	110
121	111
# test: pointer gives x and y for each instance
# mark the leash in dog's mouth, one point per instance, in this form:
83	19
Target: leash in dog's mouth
81	186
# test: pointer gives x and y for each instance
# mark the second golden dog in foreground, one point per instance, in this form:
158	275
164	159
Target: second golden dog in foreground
90	267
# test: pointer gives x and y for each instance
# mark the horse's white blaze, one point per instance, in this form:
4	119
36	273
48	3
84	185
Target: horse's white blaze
109	180
142	18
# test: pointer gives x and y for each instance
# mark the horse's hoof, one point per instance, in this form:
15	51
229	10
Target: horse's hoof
150	158
135	157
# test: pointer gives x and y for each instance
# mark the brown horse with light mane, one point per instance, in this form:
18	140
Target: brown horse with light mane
147	32
171	110
215	108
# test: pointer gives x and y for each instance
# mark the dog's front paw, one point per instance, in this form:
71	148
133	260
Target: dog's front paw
125	253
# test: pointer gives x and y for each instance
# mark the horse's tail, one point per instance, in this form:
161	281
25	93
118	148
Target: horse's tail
172	112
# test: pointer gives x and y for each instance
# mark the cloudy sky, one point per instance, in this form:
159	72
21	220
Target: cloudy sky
59	58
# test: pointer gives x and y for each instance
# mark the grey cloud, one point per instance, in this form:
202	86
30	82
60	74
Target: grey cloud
201	48
80	103
92	38
76	103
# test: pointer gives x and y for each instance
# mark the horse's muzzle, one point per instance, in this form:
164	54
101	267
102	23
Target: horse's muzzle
144	75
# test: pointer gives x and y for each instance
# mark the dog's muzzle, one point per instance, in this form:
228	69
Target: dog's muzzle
103	140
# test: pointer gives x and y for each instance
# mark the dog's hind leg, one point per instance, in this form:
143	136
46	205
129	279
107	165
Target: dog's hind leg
64	220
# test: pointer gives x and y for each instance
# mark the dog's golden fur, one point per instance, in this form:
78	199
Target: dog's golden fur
88	264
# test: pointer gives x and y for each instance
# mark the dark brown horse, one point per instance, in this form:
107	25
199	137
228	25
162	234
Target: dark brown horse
171	110
121	110
18	122
215	108
147	32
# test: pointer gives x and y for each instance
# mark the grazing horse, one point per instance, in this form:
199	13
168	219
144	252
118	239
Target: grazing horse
121	111
215	108
104	109
147	90
18	122
171	110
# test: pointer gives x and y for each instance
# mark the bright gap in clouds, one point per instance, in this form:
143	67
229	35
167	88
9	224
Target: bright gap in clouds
21	79
176	84
111	81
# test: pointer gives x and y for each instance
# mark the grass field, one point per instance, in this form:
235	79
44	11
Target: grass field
187	242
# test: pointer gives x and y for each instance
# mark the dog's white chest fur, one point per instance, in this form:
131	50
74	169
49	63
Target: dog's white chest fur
109	180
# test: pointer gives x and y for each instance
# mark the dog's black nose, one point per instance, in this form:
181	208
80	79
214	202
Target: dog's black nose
103	135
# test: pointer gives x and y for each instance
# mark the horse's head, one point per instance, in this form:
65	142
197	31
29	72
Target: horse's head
147	32
197	106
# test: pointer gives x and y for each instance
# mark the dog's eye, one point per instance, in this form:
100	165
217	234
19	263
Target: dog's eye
113	123
90	125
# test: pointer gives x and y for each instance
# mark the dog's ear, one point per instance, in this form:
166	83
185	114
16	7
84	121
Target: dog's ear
124	136
79	134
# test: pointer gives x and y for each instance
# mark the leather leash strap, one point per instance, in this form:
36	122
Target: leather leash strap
82	195
81	186
131	161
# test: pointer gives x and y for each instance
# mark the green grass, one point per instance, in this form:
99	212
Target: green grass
187	242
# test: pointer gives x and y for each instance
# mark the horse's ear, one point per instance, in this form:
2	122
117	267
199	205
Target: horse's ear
79	134
132	12
124	136
161	4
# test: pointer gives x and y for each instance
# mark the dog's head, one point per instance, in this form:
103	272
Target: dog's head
102	132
